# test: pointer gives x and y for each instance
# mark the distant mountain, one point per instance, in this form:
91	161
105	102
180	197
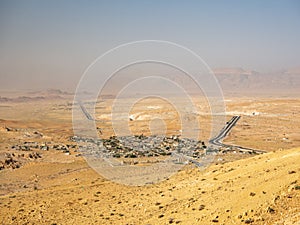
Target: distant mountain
234	81
27	99
240	81
50	94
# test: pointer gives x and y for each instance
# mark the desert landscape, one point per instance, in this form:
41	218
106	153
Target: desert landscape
149	112
45	178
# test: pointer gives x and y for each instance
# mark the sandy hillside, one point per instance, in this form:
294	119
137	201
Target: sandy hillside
259	190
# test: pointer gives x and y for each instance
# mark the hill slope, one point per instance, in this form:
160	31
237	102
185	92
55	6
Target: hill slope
258	190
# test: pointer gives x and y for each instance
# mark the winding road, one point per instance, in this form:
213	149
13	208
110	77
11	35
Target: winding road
217	141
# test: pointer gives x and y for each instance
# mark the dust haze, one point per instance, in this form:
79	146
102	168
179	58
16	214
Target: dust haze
150	142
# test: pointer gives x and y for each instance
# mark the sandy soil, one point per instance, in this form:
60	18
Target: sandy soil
59	188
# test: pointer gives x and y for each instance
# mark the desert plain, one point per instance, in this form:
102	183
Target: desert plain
45	179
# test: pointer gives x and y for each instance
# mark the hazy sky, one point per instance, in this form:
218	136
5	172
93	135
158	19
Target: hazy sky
47	44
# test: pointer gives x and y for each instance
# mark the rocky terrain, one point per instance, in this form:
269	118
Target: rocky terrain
44	178
258	190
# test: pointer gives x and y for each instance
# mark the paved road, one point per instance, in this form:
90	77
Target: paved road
223	133
217	141
85	112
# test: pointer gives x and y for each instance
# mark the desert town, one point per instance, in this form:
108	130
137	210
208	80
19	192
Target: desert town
41	157
149	112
